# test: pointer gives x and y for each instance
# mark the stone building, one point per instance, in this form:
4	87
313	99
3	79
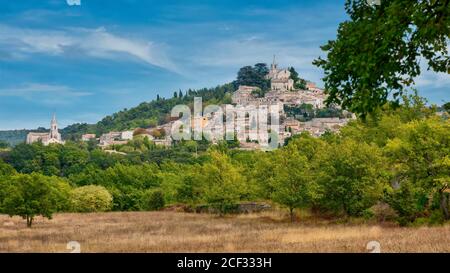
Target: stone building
46	138
280	78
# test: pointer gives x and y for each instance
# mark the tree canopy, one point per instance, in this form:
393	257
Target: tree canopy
378	51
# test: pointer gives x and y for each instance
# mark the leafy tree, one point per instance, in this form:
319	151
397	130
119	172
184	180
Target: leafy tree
30	195
378	51
126	183
90	199
153	200
223	184
293	185
446	107
6	169
419	157
299	83
3	144
351	177
253	76
408	201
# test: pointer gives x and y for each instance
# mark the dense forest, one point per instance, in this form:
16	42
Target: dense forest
391	167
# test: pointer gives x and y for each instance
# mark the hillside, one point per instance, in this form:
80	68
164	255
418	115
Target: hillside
14	137
146	114
157	112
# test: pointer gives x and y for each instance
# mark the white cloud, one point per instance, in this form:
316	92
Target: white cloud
90	42
430	79
235	53
74	2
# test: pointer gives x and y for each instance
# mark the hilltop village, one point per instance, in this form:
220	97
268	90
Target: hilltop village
283	93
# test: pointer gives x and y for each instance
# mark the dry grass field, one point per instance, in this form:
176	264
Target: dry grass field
182	232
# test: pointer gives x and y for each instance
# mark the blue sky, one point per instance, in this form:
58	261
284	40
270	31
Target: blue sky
87	61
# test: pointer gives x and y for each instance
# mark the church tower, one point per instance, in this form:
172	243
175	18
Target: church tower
54	134
274	65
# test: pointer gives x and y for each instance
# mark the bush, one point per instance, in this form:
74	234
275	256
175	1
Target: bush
436	218
91	199
153	200
383	212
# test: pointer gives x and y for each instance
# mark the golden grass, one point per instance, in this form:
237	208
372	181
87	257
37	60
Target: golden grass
182	232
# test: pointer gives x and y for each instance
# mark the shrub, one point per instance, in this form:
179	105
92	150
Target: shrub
436	218
91	199
153	200
383	212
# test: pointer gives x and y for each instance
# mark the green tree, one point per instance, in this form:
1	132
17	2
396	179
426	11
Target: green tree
223	184
299	83
293	185
253	76
30	195
153	200
90	199
446	107
378	51
3	144
6	169
351	176
418	156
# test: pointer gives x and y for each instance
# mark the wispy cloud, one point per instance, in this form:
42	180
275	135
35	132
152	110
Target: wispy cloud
44	93
97	43
73	2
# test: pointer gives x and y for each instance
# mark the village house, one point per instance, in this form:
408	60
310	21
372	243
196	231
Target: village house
87	137
115	138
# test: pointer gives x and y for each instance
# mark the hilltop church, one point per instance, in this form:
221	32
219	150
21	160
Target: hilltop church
280	78
47	138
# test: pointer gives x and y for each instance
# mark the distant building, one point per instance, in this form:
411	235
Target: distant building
47	138
280	78
115	138
87	137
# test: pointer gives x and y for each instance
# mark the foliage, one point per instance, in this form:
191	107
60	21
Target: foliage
292	185
253	76
351	177
153	200
30	195
392	165
149	114
378	51
299	83
223	184
90	199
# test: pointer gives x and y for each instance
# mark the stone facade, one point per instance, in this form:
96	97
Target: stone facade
53	137
280	78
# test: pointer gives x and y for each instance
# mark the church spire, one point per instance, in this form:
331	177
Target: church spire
54	128
274	63
54	119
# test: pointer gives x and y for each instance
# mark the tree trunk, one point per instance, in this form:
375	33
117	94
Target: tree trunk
444	205
29	221
291	212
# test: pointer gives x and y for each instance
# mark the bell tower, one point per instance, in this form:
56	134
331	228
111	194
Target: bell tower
54	128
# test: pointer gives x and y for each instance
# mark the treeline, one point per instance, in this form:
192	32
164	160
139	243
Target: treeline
394	166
